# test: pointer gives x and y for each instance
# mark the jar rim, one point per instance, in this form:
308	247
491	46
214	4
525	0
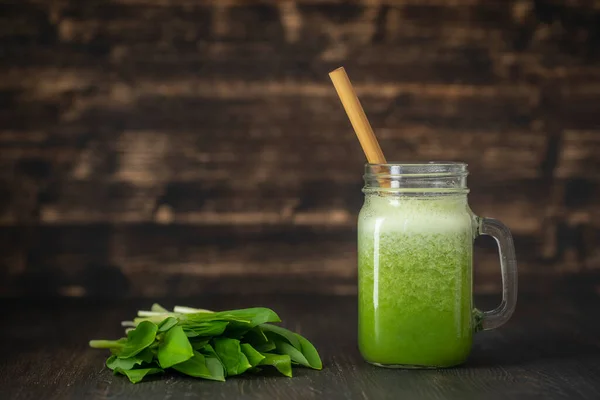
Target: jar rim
430	177
430	168
447	163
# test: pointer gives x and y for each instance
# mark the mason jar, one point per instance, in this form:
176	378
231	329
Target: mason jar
415	266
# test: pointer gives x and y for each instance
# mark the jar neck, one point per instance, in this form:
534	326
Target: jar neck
427	179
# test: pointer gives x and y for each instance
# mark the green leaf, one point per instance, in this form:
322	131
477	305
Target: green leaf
175	348
310	352
137	340
196	367
208	350
255	336
266	347
294	353
146	355
217	371
230	354
213	362
249	316
167	324
158	308
280	361
237	330
283	333
136	375
198	344
310	357
156	319
256	315
207	328
113	362
253	356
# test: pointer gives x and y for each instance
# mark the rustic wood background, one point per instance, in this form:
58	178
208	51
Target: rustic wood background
153	147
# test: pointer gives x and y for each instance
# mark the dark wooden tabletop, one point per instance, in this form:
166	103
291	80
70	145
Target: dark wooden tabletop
550	349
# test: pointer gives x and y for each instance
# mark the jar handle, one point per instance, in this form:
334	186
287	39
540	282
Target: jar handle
508	263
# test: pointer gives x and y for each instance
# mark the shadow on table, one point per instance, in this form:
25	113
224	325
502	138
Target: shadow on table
532	349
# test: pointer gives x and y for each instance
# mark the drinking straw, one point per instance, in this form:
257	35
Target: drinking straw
357	116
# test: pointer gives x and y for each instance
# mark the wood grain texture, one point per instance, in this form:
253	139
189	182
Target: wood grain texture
134	133
550	349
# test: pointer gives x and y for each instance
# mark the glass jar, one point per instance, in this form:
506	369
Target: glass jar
415	252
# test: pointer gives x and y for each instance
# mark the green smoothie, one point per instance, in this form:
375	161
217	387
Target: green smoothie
415	280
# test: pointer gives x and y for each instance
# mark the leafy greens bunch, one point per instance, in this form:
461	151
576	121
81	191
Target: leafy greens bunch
206	344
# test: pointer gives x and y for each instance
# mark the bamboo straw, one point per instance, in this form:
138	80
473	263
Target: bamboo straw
357	116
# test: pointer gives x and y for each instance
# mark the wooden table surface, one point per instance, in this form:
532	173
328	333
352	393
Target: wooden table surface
550	349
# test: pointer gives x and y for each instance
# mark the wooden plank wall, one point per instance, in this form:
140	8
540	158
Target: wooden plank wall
152	147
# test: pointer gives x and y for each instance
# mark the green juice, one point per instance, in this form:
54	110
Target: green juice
415	280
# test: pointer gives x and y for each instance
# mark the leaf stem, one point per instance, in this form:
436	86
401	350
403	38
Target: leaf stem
190	310
144	313
105	344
